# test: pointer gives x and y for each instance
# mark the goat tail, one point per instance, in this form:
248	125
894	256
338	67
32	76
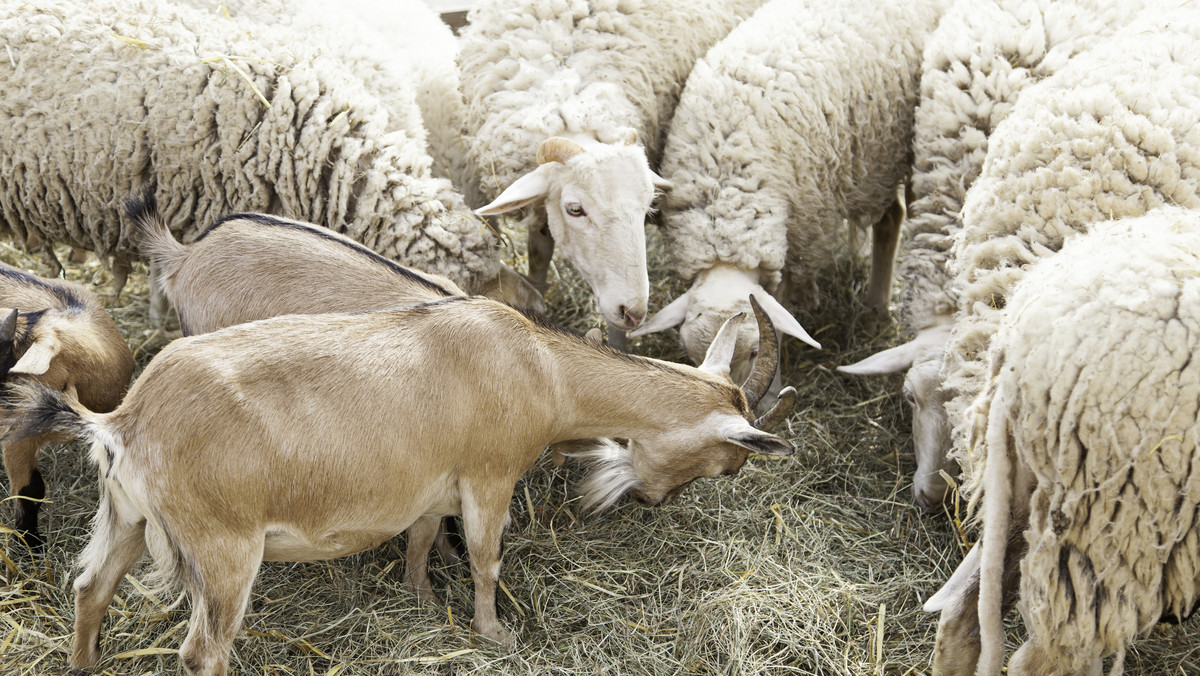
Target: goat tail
153	237
997	516
29	408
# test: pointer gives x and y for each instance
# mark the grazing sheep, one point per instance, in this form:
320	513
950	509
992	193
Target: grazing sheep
798	121
223	121
982	55
1090	414
56	333
559	93
293	422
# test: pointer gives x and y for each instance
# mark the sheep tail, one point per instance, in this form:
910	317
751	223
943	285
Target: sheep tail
997	500
153	237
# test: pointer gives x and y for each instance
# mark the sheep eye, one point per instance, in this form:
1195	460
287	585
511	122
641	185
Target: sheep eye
575	209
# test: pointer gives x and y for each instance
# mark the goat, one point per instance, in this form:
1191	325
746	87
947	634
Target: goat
250	266
65	340
309	437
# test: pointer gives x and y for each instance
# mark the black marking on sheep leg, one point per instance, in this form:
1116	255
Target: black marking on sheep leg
265	219
1064	576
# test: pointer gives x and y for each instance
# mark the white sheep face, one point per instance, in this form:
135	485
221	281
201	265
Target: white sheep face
597	196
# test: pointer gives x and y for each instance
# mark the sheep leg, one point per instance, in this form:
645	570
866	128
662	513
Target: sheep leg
883	257
115	546
1032	660
159	304
121	267
224	572
421	536
956	649
25	481
485	513
541	250
617	338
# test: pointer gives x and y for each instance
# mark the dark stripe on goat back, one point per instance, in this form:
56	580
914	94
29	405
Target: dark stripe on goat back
326	234
70	299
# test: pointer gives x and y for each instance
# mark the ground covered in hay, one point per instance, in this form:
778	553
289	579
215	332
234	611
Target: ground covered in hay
814	564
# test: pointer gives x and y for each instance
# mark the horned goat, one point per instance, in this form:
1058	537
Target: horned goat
980	58
795	124
559	95
57	333
277	408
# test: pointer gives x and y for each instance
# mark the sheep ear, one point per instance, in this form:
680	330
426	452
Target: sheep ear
760	442
899	358
36	360
530	187
720	352
671	315
593	335
783	320
660	182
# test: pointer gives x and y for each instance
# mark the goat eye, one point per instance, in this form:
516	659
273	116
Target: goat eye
908	396
575	209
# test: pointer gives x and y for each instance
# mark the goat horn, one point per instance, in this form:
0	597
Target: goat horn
557	149
768	357
780	411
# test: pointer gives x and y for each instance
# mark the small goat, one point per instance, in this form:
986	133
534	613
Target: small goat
309	437
247	267
65	340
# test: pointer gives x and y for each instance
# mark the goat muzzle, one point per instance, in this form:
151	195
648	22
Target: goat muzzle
768	357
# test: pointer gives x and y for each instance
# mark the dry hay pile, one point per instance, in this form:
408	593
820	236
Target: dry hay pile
815	564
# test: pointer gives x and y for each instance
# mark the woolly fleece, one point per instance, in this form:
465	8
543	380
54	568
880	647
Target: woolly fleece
800	118
532	69
981	57
102	97
1096	356
1115	133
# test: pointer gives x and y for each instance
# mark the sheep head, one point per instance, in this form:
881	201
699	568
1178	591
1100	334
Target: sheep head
718	293
596	200
922	357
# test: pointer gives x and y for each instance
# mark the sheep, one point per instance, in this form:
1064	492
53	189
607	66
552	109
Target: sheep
1090	414
979	59
796	122
291	485
223	121
57	333
566	102
248	266
1112	135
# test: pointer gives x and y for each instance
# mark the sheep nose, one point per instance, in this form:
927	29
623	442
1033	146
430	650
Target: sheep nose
631	317
929	500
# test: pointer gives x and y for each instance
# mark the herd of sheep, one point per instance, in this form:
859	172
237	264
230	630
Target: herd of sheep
316	193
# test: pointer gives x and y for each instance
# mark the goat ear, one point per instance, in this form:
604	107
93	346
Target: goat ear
36	360
760	442
671	315
891	360
530	187
782	319
593	335
720	352
660	182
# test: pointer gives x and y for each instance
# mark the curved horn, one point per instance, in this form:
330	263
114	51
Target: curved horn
557	149
768	357
780	411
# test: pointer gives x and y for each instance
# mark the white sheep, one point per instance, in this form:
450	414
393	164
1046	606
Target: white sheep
1114	134
982	55
223	121
1090	413
796	122
559	94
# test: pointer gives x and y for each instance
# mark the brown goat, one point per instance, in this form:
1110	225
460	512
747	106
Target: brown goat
57	333
309	437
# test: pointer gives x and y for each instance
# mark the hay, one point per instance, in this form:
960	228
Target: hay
815	564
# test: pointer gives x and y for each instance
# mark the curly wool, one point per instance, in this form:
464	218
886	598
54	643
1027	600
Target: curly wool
979	59
1096	355
800	118
532	69
1115	133
102	97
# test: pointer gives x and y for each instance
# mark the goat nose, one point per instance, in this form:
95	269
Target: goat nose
929	500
